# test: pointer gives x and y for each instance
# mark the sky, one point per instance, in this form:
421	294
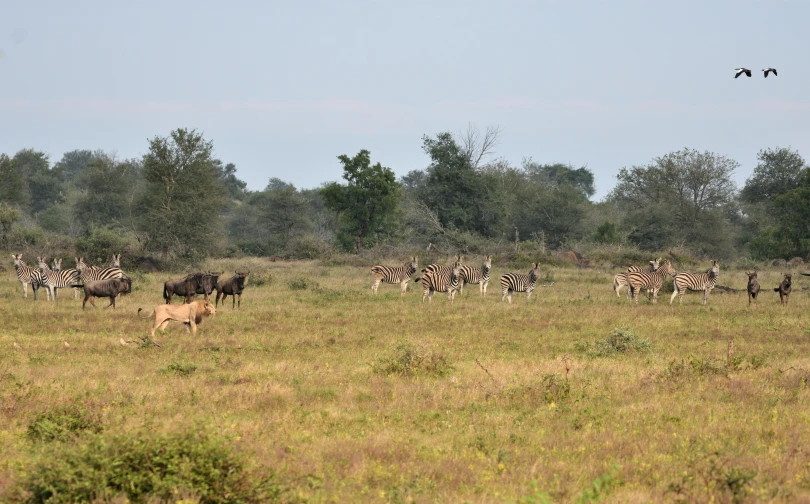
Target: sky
284	87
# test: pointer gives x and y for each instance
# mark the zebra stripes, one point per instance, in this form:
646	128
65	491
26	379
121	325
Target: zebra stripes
472	275
56	279
434	281
696	282
620	280
91	273
71	272
518	282
394	275
27	275
650	281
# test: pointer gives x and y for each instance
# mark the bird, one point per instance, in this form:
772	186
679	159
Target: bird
67	345
766	70
741	71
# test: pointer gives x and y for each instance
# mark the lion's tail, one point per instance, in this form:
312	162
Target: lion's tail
146	317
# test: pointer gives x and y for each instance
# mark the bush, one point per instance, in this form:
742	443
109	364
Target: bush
621	341
101	243
181	369
62	424
301	283
413	360
145	468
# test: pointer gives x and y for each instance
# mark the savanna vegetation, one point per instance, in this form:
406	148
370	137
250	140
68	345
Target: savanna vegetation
317	391
177	205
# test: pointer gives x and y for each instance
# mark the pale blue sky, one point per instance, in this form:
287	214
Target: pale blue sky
282	88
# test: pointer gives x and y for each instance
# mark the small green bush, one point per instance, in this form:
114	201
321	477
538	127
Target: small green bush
413	360
63	423
622	341
301	283
148	468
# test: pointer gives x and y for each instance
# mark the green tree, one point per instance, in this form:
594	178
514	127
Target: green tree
283	212
682	197
777	172
109	187
367	203
43	184
227	175
792	211
183	196
74	163
560	175
13	189
8	217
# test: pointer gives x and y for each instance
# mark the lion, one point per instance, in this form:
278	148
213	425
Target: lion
190	314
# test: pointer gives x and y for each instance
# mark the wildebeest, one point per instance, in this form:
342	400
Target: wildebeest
208	284
110	288
189	314
185	287
753	287
232	287
784	288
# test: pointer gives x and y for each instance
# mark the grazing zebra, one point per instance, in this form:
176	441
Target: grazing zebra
478	276
433	281
518	282
27	275
55	279
73	272
90	273
695	282
620	280
394	275
643	280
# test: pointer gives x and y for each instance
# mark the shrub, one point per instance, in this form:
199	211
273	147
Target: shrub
181	369
302	283
97	246
148	468
621	341
62	424
413	360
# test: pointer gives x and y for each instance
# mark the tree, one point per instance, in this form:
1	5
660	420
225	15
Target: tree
559	175
227	175
43	184
283	212
777	172
74	163
367	203
679	197
13	189
108	188
183	196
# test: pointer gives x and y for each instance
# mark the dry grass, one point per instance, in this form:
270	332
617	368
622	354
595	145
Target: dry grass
298	379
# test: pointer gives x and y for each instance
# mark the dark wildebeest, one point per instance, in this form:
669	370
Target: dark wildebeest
110	288
186	287
753	287
208	284
232	287
784	288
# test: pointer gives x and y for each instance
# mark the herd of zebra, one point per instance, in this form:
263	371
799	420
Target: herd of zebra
451	279
53	277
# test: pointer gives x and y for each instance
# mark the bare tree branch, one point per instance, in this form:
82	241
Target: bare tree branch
477	147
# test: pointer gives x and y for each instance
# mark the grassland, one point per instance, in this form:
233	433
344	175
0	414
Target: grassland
354	398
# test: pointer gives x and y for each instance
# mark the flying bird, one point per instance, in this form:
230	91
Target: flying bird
741	71
766	70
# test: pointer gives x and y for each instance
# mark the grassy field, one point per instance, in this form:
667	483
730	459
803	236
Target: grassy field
345	397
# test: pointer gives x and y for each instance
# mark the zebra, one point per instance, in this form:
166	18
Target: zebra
73	272
696	282
27	275
651	281
518	282
57	279
438	268
620	280
114	262
433	281
478	276
90	273
394	275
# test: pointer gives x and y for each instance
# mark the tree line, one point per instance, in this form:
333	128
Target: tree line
178	204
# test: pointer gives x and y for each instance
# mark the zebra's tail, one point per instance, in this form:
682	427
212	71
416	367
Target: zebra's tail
417	279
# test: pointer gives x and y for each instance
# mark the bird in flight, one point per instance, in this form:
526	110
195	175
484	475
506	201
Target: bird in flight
766	70
741	71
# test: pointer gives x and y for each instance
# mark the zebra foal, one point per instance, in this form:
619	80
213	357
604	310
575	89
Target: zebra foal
650	281
519	282
696	282
472	275
394	275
